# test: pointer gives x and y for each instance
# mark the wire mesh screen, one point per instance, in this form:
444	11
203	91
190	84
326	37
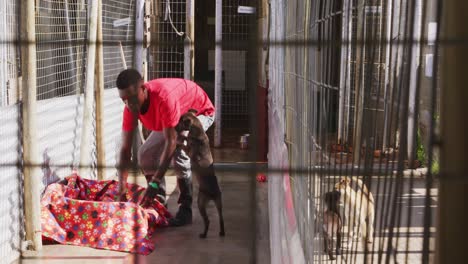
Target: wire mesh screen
11	196
61	35
235	36
350	115
166	54
61	28
356	156
118	33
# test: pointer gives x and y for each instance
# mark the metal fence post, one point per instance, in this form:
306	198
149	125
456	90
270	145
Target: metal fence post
344	76
189	40
85	148
388	72
138	58
451	246
218	72
99	90
359	93
415	65
31	171
139	49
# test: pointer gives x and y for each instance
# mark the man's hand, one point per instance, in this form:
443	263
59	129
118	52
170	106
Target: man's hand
153	191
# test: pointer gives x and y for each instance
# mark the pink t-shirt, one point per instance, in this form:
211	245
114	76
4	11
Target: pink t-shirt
169	99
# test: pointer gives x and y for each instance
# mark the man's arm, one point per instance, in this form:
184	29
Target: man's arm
124	159
170	136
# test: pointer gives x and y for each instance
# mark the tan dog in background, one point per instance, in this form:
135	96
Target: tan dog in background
359	207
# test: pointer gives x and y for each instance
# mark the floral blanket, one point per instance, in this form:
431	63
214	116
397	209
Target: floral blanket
86	213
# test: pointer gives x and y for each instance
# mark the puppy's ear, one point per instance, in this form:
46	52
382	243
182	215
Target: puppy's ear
193	111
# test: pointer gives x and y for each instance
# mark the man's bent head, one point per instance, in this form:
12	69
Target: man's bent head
131	89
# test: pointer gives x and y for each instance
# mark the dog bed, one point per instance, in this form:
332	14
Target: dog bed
84	212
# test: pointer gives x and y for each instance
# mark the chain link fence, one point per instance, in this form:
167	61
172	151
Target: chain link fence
235	39
342	87
11	195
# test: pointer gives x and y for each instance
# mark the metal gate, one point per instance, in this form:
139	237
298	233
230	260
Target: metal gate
350	94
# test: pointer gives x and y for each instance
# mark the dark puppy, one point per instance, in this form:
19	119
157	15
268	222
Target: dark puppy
198	149
332	223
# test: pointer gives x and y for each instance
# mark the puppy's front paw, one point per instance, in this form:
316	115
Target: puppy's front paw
221	234
202	236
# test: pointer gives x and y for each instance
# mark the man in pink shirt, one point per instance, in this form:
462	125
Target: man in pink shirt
158	104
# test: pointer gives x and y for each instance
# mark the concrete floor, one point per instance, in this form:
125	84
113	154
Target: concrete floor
246	224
